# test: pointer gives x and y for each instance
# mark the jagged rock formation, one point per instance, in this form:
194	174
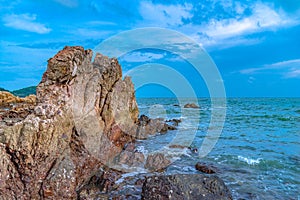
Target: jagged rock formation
64	143
85	113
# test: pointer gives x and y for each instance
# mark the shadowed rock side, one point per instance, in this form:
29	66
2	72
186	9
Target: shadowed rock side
76	126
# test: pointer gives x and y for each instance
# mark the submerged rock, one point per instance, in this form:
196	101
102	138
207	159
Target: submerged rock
185	186
205	168
191	105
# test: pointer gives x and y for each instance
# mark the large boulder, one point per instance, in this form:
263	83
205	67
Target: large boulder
84	116
185	187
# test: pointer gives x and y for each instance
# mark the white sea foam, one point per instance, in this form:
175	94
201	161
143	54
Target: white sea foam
250	161
142	149
122	178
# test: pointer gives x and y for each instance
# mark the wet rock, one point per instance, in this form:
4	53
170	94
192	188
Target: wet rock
175	122
185	186
157	162
84	115
99	185
205	168
147	126
191	105
131	157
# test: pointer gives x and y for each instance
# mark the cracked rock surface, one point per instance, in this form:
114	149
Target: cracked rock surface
84	115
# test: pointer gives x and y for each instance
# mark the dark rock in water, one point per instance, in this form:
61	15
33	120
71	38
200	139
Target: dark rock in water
176	105
175	122
157	162
205	168
185	186
191	105
143	120
147	126
177	146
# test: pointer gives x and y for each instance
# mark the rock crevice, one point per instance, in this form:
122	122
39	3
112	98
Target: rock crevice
71	131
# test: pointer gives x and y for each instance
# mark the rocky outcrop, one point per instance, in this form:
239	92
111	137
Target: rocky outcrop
185	186
191	105
8	100
84	115
14	109
66	142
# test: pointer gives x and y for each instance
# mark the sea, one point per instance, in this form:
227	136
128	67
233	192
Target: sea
256	154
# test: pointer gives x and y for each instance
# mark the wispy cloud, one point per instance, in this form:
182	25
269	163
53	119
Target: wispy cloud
263	17
295	73
279	65
142	57
289	68
164	15
25	22
235	31
68	3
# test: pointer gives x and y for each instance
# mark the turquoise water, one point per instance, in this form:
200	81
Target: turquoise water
258	152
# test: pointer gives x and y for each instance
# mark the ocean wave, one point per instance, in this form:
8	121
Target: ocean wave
250	161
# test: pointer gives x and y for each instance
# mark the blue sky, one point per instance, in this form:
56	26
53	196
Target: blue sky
255	44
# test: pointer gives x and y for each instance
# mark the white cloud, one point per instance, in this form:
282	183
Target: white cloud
295	73
142	57
289	68
25	22
279	65
164	15
263	17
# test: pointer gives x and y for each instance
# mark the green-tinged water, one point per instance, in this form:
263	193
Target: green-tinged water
258	152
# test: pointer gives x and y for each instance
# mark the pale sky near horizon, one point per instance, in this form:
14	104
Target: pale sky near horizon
254	44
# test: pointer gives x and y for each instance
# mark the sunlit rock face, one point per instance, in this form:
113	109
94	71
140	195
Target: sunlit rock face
84	115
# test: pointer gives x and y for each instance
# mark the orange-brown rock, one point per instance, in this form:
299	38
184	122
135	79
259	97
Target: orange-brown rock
8	99
84	114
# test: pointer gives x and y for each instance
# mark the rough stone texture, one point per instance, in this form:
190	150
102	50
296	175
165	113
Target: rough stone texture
99	185
191	105
14	109
85	114
131	157
147	126
8	99
157	162
184	187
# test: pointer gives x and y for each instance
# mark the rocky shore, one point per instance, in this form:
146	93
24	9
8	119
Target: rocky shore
72	139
